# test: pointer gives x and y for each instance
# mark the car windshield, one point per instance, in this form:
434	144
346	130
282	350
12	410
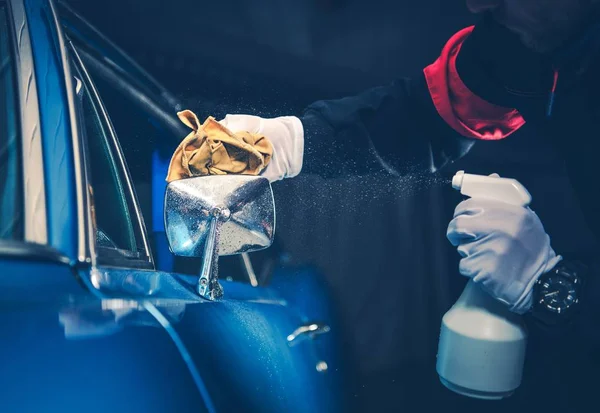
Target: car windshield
11	202
373	108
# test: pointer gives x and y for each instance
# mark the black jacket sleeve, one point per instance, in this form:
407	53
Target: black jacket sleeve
379	130
392	128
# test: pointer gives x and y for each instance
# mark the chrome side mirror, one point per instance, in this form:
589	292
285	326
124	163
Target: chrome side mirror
215	215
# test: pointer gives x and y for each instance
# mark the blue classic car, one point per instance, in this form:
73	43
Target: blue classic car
97	313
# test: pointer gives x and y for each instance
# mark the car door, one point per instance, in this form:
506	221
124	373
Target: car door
62	346
251	351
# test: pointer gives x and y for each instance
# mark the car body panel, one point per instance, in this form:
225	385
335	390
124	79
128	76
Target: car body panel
31	273
76	357
306	292
241	345
64	349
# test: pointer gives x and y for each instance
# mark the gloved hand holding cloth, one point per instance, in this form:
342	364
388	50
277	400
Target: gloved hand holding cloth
212	149
239	144
286	134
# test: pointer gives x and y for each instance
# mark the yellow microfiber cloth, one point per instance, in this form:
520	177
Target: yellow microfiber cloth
212	149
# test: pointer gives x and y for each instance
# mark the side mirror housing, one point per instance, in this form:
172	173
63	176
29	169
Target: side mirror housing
215	215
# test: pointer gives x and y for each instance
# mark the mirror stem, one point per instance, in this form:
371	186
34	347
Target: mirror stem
208	283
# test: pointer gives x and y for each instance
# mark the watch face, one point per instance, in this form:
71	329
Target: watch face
557	293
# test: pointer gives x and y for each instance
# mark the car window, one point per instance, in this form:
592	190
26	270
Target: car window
11	197
118	231
139	134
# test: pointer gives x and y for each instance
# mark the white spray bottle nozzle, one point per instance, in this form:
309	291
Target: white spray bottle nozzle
491	187
457	180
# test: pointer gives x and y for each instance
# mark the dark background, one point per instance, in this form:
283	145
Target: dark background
379	241
226	51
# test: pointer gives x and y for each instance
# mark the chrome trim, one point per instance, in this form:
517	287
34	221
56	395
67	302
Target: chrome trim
136	284
85	241
322	366
309	330
230	215
208	282
34	192
249	268
119	154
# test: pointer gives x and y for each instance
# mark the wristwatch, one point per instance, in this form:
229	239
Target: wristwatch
557	293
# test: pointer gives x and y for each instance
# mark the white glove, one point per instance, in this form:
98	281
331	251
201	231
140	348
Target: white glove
286	135
504	248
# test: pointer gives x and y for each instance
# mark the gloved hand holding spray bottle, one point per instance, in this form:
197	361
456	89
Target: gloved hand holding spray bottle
482	342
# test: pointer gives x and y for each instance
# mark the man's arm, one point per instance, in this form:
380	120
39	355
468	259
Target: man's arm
384	129
371	132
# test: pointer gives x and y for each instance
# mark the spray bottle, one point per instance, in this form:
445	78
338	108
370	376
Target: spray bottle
482	344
